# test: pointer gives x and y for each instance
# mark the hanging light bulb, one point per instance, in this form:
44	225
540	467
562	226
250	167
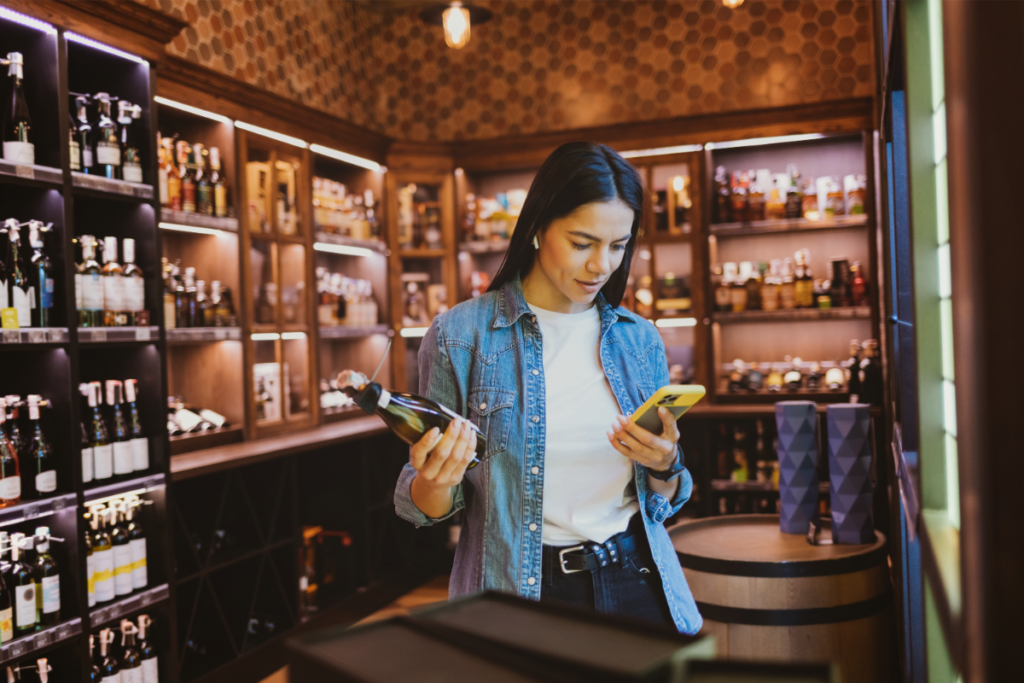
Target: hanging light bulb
732	4
456	26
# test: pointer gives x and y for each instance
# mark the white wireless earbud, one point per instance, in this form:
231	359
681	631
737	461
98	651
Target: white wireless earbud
536	244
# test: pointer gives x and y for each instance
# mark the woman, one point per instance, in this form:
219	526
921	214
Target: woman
570	501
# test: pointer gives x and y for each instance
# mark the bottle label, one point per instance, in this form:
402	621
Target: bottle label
46	293
87	157
150	670
51	594
76	155
104	575
23	303
78	291
165	196
87	458
103	461
186	419
122	569
90	578
116	678
131	675
20	152
140	573
122	457
134	293
113	293
132	172
220	200
107	154
9	318
92	291
6	625
25	605
170	322
10	488
46	482
140	454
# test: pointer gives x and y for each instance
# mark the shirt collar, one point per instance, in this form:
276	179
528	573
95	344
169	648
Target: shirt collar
512	304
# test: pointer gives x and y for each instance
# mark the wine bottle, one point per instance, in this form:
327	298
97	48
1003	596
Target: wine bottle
83	132
134	284
109	669
4	304
102	450
10	473
853	384
210	317
173	176
131	661
139	443
39	458
192	315
226	310
147	651
5	564
74	149
90	276
220	188
108	142
409	416
204	189
42	276
19	286
131	162
119	434
114	314
122	550
188	179
17	121
48	577
6	602
203	305
14	425
95	676
103	556
86	445
170	317
137	543
90	563
24	580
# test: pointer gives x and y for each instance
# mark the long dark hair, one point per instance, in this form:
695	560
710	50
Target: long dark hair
575	174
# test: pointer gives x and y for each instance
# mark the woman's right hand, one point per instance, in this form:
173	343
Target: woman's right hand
441	460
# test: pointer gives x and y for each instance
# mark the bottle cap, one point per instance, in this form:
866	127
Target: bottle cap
131	390
128	249
367	397
109	249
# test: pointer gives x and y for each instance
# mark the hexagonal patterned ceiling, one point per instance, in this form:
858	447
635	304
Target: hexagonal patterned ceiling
538	65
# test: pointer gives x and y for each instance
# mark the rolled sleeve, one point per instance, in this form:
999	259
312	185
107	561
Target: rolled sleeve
407	509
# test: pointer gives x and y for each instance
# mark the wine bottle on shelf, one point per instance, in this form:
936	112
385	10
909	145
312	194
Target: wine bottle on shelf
147	651
39	459
122	550
191	299
90	278
173	176
102	449
103	556
204	189
137	543
74	149
170	316
131	661
139	443
108	142
134	283
226	309
4	304
6	602
180	298
48	577
83	132
14	425
853	383
114	314
90	563
119	435
220	188
131	162
210	318
5	563
19	287
202	303
188	179
10	473
42	276
109	669
86	445
17	121
24	579
95	676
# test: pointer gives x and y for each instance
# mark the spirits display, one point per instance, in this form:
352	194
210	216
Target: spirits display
186	419
339	212
187	304
117	540
492	218
10	472
344	300
17	122
757	195
793	374
133	288
191	178
117	441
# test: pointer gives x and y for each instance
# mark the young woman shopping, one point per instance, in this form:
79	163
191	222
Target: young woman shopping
570	501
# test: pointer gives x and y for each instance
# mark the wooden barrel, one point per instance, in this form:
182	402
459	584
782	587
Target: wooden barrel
772	596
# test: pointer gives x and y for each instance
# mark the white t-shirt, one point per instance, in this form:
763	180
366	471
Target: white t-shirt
585	479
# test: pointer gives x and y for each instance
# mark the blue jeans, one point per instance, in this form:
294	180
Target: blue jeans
630	588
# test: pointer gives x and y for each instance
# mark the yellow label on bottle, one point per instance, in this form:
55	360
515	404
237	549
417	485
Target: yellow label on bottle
9	319
101	576
123	569
138	564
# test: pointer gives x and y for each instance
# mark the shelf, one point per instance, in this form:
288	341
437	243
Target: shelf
186	335
199	220
651	239
34	509
353	332
485	247
122	608
340	240
100	335
332	415
142	484
794	315
121	188
423	253
709	411
186	443
26	645
33	172
785	225
35	335
816	395
754	486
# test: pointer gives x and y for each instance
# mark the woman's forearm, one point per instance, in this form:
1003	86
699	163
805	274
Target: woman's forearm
664	488
432	501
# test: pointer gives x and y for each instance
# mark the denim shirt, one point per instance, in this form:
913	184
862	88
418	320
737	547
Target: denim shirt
483	359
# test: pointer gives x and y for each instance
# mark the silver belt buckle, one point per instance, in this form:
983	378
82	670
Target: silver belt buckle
561	559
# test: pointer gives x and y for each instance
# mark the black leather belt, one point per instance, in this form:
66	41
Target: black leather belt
591	556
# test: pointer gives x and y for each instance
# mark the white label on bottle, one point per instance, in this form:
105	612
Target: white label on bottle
87	458
87	157
113	293
132	172
107	153
186	419
122	569
140	574
3	293
92	291
25	605
78	291
22	302
385	398
103	460
134	294
51	594
140	454
103	561
150	670
46	482
20	152
131	675
122	457
76	156
90	579
6	625
216	419
10	488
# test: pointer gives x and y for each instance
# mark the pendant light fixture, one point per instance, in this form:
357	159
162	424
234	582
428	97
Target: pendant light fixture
457	20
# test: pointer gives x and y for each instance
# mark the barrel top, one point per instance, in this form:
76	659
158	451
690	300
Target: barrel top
757	538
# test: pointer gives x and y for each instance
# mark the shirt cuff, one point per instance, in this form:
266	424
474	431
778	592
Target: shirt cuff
406	508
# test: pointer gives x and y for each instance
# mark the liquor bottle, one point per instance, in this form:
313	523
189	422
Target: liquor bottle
756	194
90	562
180	299
137	543
114	314
25	587
134	284
794	200
860	285
131	164
191	299
102	450
74	149
19	286
755	380
853	383
110	672
738	380
6	602
9	543
787	290
774	381
872	383
203	305
220	188
131	661
140	444
814	376
90	277
84	444
103	555
14	434
17	121
722	206
834	379
166	270
188	179
42	276
119	435
83	133
226	309
173	176
210	317
409	416
738	288
40	461
803	283
739	197
10	473
147	651
122	550
161	172
108	141
48	577
204	189
794	378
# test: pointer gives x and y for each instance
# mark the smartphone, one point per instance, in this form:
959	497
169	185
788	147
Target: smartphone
677	398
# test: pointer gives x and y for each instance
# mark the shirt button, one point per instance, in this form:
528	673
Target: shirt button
483	406
536	372
533	527
534	470
536	419
531	581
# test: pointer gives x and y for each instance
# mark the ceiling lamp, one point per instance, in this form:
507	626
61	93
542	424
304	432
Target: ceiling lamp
457	20
732	4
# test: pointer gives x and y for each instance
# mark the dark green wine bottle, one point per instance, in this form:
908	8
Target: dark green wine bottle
23	577
48	578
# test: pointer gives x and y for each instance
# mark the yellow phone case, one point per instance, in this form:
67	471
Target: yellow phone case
677	398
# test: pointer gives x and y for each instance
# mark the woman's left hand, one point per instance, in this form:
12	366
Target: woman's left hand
635	442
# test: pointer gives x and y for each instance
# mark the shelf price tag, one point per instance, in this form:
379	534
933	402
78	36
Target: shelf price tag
97	335
56	334
220	334
12	337
142	334
37	336
125	188
17	649
42	639
23	171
